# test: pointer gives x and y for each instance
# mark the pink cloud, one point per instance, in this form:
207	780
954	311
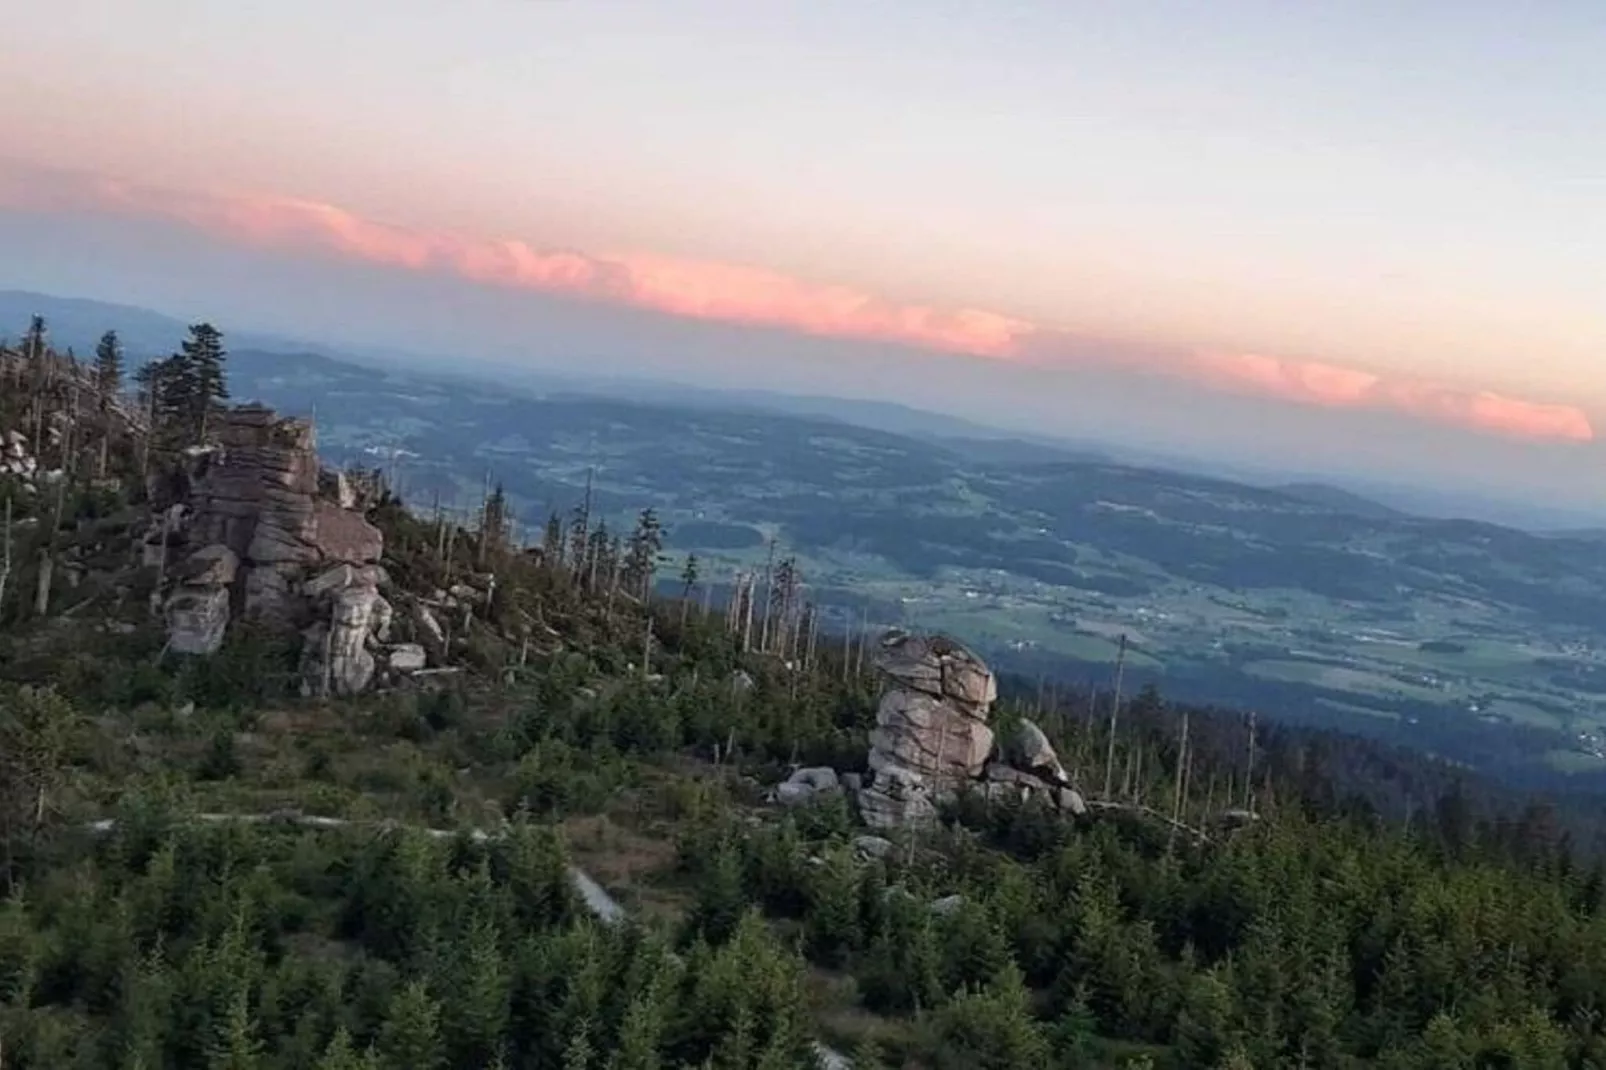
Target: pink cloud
1329	385
744	294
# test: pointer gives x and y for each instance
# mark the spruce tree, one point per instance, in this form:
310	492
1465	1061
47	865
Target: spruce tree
109	365
238	1046
641	554
33	343
866	1054
411	1034
201	367
342	1054
688	577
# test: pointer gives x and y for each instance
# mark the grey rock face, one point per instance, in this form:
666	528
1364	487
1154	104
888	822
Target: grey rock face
197	611
197	618
273	539
931	733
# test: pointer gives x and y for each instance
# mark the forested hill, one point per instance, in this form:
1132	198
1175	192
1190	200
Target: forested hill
1236	895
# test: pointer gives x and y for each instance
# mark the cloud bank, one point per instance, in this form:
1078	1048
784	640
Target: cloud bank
756	296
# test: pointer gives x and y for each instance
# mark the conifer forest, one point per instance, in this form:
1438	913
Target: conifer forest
542	821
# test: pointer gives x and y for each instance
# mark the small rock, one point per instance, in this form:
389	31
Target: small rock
818	778
1070	800
947	905
873	846
792	794
1028	748
406	657
334	579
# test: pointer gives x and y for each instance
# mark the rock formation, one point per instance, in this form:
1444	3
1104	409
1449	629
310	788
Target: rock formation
262	534
932	738
931	733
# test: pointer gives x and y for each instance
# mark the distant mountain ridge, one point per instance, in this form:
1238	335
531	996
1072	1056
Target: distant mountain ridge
78	323
1340	500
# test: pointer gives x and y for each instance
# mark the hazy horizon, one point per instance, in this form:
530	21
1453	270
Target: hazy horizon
1471	500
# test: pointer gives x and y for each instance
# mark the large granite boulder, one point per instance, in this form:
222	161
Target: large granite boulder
931	735
267	535
1027	748
932	740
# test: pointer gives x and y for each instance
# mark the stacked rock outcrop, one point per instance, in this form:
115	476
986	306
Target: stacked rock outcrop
932	738
931	733
265	535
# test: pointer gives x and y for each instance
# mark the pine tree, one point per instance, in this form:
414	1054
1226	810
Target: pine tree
238	1046
637	1047
831	929
411	1034
579	1053
641	554
494	520
552	541
342	1054
866	1054
721	898
688	581
478	1010
688	577
109	365
33	342
201	367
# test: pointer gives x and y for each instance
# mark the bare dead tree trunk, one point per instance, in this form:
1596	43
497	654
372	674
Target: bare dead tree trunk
47	571
5	561
1176	797
747	626
646	650
1249	768
1115	713
814	634
769	596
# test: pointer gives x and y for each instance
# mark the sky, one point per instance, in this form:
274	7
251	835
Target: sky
1356	233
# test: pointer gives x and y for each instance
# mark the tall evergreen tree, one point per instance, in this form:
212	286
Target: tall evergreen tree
109	364
411	1035
33	342
202	365
642	552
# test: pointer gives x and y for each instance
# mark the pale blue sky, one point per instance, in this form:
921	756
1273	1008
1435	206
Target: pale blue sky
1415	191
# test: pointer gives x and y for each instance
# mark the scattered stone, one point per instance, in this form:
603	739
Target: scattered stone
947	905
790	794
807	785
1028	749
429	632
873	846
406	657
820	778
1237	817
1071	802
